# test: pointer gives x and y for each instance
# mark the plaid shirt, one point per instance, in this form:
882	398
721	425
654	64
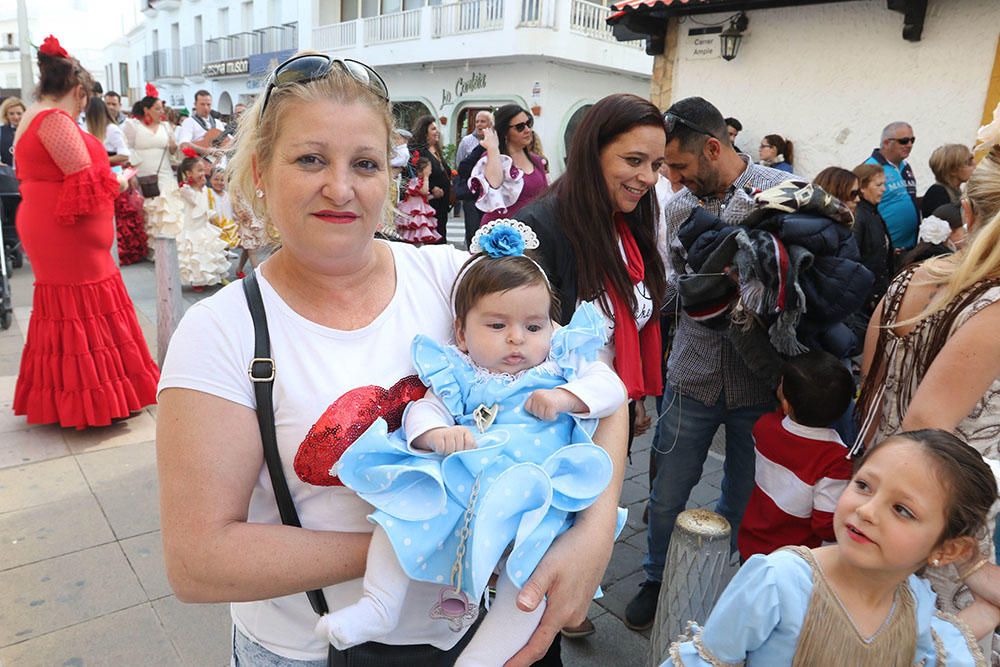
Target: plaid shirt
703	363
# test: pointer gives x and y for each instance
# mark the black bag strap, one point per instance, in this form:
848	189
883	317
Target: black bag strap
261	372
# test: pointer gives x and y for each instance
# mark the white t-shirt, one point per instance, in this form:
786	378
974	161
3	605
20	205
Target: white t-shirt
114	140
316	365
191	130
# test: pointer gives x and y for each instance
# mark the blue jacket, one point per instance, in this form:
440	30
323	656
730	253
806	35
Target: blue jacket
899	203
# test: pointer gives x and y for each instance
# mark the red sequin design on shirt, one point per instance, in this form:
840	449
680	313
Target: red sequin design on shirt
345	420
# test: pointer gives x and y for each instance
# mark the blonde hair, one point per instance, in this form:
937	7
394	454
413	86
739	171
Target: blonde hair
980	258
9	104
256	137
946	160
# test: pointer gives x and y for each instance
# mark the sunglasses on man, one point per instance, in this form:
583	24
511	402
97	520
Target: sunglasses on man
671	119
314	66
904	141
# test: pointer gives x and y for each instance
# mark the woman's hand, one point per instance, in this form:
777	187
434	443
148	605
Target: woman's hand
436	193
490	140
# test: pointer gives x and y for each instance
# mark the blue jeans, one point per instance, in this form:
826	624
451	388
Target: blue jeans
248	653
685	435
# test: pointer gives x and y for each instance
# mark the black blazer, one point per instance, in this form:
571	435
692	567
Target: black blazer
555	254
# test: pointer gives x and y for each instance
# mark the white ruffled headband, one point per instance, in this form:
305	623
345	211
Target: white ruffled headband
504	237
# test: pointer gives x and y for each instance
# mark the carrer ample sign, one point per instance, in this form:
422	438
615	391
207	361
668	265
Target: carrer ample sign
227	68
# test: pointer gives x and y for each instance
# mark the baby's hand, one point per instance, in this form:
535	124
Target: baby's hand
547	404
446	440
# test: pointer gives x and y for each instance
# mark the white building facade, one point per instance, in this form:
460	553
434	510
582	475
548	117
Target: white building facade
555	57
830	76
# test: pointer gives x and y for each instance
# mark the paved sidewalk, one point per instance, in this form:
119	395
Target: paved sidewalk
81	564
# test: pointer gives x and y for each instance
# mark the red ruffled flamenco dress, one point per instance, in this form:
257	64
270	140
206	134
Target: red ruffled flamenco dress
416	221
131	225
85	361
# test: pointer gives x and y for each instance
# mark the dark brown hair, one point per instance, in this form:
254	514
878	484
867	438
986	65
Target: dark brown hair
504	116
420	127
185	167
57	76
482	275
968	482
837	181
818	387
585	210
784	147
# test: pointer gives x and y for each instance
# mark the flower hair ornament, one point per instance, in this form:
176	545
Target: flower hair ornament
503	238
934	230
51	47
189	152
151	91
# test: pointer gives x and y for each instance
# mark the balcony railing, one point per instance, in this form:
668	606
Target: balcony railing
163	64
279	37
336	36
467	16
590	19
538	14
394	27
192	59
245	44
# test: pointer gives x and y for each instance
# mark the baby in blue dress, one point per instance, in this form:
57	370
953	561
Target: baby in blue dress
492	464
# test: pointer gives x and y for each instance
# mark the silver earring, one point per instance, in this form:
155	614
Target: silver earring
259	193
936	562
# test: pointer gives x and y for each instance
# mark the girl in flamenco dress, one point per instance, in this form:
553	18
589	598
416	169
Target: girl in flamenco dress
201	252
85	361
417	221
222	209
497	454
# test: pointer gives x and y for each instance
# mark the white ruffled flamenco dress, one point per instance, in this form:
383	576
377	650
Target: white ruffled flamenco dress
201	252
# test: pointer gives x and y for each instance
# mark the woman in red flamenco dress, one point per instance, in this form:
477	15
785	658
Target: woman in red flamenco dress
85	361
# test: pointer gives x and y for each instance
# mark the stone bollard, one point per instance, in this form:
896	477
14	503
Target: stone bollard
696	572
169	306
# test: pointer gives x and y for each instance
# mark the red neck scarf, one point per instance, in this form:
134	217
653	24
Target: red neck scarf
637	353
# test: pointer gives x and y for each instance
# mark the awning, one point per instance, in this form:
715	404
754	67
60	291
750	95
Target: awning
666	8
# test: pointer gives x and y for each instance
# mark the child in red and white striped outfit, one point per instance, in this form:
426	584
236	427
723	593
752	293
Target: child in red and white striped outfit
801	463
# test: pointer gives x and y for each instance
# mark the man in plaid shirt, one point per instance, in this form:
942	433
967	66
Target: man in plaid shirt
708	384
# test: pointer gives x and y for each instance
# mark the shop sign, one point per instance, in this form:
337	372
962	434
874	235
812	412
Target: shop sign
227	68
476	81
701	44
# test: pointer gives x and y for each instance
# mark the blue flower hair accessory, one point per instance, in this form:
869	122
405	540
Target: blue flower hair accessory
504	238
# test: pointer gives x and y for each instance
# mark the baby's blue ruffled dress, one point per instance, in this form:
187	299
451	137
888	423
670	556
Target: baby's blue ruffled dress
533	475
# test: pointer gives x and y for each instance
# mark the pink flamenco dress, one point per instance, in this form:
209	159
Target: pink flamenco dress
85	361
417	221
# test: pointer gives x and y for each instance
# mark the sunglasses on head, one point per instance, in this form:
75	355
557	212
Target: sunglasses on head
313	66
520	126
670	120
903	141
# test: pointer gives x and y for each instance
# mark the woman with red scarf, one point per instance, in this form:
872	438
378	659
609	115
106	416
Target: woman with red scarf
597	231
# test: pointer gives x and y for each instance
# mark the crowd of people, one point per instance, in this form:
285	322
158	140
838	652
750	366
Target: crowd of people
484	401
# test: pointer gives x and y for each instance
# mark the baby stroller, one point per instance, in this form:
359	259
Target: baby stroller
9	196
